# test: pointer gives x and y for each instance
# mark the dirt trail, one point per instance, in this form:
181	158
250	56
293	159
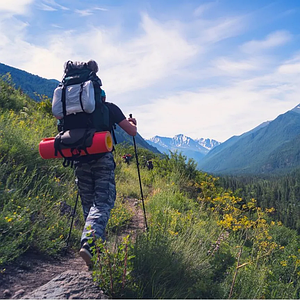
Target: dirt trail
31	270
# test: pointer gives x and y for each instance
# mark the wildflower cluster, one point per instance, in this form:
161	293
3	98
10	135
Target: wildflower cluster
234	215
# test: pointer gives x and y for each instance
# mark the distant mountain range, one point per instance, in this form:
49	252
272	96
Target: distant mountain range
272	147
195	149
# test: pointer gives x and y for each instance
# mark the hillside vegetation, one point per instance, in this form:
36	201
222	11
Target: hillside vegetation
32	85
281	192
203	241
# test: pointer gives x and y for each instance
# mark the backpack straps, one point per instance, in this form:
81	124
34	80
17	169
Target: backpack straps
77	140
63	100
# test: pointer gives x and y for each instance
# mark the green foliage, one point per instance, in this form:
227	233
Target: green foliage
31	85
31	189
280	192
172	260
112	268
10	98
120	217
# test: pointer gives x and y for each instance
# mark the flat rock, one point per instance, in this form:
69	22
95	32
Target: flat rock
68	285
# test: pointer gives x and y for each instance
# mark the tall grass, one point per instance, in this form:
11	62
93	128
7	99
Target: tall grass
213	245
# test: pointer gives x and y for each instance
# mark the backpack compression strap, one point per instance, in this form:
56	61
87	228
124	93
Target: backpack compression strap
63	100
80	96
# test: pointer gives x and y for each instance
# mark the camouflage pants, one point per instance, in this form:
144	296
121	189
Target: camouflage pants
97	189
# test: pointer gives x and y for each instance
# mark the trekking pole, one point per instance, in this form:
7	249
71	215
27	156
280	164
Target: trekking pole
138	169
73	215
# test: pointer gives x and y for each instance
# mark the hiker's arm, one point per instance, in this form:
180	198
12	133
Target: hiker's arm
129	126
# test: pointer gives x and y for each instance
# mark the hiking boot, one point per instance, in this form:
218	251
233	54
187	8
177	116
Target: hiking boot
86	254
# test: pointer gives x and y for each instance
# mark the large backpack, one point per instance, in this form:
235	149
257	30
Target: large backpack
79	107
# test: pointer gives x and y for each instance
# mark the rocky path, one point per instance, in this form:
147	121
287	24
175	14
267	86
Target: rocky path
31	271
36	277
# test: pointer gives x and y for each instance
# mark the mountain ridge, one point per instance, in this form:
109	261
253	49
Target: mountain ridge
268	148
195	149
30	84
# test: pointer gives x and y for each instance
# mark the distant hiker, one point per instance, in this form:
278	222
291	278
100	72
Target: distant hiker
149	165
127	158
95	172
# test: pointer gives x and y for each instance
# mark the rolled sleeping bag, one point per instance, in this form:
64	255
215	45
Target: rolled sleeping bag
102	142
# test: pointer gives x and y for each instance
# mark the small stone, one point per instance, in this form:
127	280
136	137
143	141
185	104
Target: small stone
18	294
6	293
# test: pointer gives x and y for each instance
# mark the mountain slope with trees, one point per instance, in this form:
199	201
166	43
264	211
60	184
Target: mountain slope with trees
270	148
32	85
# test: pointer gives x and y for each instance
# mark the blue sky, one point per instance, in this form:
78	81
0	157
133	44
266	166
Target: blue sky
210	69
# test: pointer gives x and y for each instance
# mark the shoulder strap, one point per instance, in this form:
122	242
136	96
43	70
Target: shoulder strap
63	100
113	133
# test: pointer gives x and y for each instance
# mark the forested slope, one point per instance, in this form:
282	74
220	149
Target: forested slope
32	85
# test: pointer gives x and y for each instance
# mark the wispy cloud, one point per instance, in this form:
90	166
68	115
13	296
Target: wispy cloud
201	9
84	12
236	67
53	3
274	39
291	67
46	7
100	8
156	54
218	30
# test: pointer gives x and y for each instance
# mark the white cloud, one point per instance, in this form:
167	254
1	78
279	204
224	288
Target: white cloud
290	69
136	63
129	65
219	112
84	12
15	6
274	39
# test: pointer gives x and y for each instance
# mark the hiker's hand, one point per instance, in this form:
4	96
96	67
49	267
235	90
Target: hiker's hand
132	120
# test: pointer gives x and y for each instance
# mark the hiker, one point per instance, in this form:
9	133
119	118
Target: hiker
127	158
96	183
95	172
149	165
